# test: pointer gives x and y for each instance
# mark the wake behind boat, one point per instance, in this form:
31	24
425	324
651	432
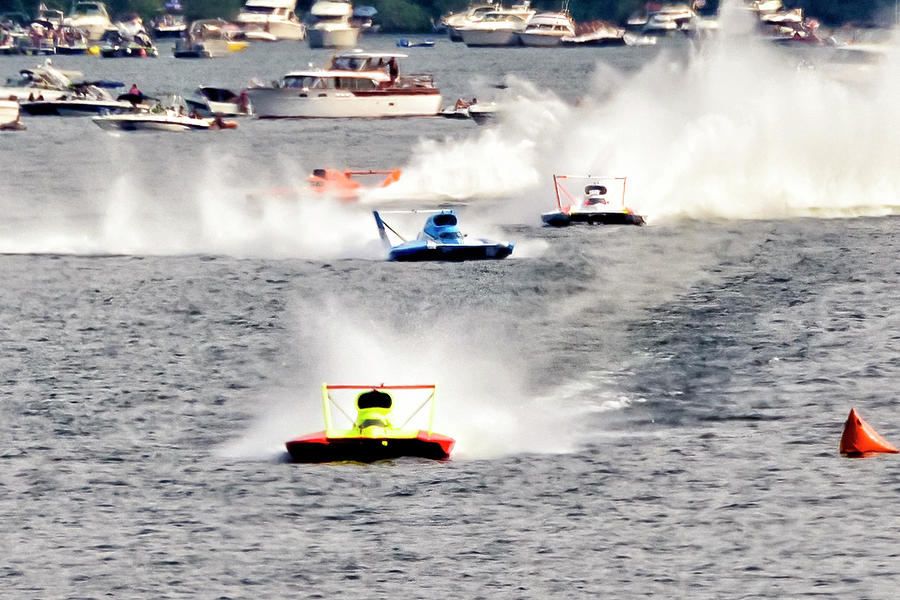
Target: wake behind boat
372	435
355	84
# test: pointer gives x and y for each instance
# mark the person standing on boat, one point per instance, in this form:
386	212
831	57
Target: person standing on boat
135	91
393	69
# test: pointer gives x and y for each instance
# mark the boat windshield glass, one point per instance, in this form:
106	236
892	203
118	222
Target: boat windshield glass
354	83
259	10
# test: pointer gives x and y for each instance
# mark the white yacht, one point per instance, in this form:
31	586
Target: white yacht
453	22
497	28
547	29
90	17
275	17
330	25
355	84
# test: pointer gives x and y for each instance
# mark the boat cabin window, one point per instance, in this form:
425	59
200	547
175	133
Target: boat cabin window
594	190
354	83
450	235
303	82
259	10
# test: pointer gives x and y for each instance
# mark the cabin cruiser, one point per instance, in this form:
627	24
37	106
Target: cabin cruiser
547	29
275	17
453	22
330	25
497	28
355	84
91	17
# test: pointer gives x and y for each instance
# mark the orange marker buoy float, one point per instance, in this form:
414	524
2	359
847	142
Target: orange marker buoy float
859	439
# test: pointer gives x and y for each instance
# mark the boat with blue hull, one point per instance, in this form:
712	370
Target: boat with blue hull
440	240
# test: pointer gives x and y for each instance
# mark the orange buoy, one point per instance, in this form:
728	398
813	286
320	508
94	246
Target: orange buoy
859	439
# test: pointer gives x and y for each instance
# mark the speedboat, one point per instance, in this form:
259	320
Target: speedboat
168	115
83	99
43	82
76	107
209	101
355	84
344	185
372	435
547	29
440	239
167	120
330	25
483	113
275	17
603	202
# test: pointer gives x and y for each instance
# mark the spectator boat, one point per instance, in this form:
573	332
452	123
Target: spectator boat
354	84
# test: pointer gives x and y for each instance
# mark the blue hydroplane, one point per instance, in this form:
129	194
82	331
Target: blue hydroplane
440	239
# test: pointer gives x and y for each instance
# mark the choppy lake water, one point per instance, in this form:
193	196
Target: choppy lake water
640	412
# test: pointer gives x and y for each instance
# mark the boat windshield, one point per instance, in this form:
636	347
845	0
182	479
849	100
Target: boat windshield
259	10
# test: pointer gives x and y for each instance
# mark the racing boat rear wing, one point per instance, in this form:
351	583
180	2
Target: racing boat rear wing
600	184
328	400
